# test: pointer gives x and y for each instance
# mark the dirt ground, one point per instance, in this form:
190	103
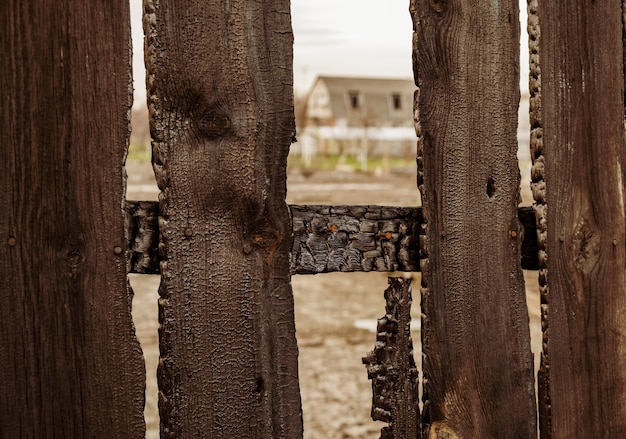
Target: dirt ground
335	313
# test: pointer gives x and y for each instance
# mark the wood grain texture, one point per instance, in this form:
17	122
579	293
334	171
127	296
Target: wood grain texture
70	365
329	238
582	86
478	372
391	366
221	106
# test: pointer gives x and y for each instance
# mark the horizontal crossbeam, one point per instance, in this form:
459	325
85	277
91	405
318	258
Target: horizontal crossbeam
328	238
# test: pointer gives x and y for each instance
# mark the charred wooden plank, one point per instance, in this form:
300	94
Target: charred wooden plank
220	95
391	366
581	156
476	340
329	238
70	364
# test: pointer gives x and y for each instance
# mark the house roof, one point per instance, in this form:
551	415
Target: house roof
375	93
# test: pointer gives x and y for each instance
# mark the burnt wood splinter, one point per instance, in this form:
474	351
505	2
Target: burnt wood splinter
391	366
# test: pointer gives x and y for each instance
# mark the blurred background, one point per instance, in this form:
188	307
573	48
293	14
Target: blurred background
353	94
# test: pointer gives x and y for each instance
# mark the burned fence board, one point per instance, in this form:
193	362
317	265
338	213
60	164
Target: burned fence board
391	366
578	173
478	368
221	108
70	364
389	233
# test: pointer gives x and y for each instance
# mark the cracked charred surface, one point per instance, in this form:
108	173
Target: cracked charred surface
578	188
221	106
477	361
391	366
354	238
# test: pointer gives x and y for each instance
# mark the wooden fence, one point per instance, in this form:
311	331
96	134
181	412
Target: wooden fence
225	242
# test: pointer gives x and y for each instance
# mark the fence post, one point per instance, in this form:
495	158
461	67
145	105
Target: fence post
578	178
221	106
70	365
478	367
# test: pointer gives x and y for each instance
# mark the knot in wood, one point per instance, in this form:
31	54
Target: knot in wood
74	259
214	123
267	239
439	6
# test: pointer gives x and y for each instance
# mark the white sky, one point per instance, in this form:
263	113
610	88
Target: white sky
336	37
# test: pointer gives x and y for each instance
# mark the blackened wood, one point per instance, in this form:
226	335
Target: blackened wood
221	106
582	85
354	238
70	364
143	236
388	232
391	366
478	367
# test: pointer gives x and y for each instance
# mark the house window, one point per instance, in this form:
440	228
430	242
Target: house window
354	99
396	101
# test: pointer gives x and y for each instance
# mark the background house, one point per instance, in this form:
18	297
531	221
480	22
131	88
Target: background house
358	116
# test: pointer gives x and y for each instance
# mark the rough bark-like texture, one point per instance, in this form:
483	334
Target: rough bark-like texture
142	221
70	365
221	106
328	238
478	371
538	187
354	238
391	366
582	84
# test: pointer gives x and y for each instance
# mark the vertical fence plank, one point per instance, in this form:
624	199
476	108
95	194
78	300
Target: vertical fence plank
584	367
478	371
221	105
70	365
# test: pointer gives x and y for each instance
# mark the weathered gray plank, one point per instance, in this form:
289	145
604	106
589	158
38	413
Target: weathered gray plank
221	106
579	171
478	369
329	238
70	365
391	366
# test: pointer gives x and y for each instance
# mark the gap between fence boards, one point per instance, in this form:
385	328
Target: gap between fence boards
329	238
